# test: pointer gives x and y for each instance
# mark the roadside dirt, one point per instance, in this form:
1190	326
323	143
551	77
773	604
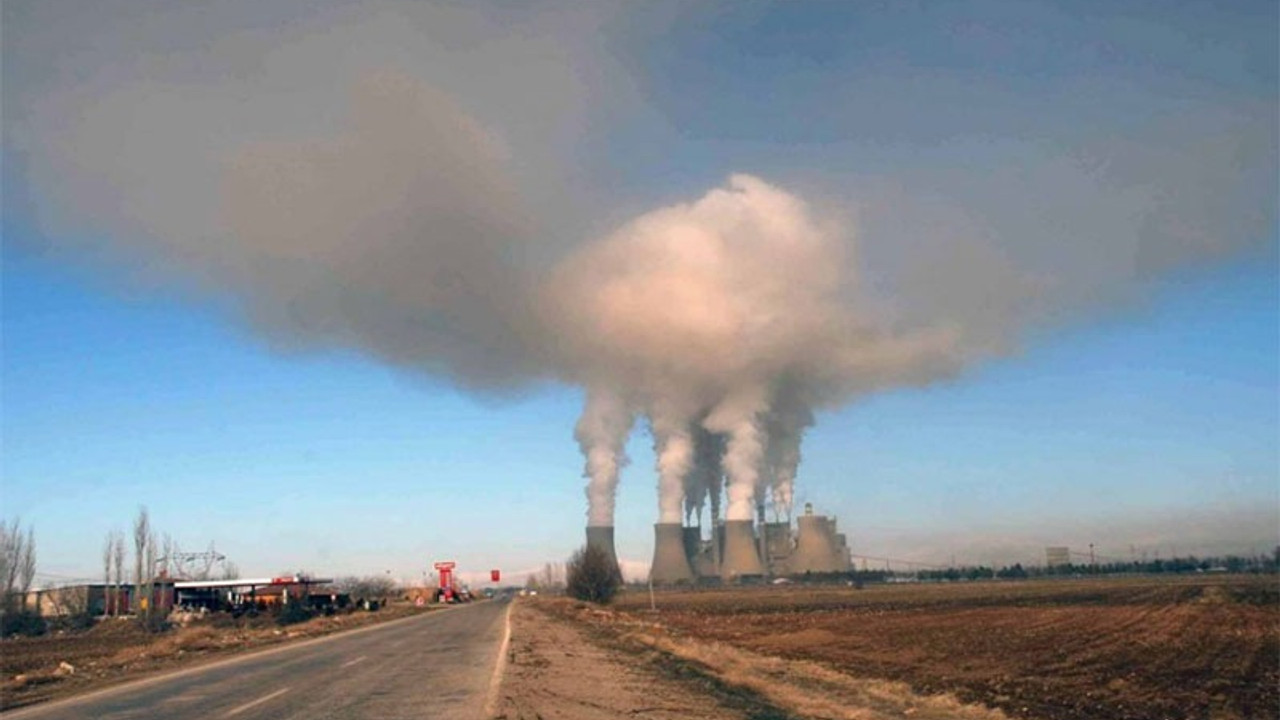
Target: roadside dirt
578	662
56	665
555	669
1125	649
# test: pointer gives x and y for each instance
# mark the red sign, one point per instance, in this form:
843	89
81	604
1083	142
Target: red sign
446	572
283	580
494	575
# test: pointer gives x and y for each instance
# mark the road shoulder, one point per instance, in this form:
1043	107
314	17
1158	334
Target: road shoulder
557	667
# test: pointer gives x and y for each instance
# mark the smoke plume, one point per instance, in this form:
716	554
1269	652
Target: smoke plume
708	313
430	184
602	434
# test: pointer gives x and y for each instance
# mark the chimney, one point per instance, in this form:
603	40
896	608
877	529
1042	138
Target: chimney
601	536
815	546
740	559
670	563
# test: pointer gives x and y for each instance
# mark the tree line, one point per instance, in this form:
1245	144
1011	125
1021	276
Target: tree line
1254	564
17	573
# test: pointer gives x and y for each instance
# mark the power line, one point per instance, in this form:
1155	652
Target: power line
899	561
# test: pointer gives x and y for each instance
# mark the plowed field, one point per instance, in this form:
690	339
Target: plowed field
1198	647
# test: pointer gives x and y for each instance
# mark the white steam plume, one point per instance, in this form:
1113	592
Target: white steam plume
703	483
708	310
673	445
602	434
786	425
738	417
415	181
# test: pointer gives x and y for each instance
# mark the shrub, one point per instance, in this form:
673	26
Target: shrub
592	575
77	621
21	622
154	622
293	613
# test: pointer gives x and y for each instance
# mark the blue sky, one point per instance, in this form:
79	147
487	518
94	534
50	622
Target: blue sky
333	463
1086	192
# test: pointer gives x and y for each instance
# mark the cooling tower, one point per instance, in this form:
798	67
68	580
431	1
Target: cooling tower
815	547
693	546
842	547
701	554
740	559
670	562
777	547
717	543
601	536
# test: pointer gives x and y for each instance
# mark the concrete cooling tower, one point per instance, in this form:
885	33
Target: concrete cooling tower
741	558
777	547
601	536
692	542
816	546
701	554
670	558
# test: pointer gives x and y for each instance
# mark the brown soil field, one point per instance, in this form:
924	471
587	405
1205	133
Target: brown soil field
115	651
1105	649
688	678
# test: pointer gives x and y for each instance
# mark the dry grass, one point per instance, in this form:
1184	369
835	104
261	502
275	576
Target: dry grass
813	691
1202	646
800	688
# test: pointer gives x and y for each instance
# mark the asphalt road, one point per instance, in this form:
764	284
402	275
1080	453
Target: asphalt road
438	665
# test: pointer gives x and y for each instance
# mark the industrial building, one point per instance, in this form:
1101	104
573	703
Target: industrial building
742	550
167	594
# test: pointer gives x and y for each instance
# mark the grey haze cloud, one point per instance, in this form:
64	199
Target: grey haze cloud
423	183
1213	529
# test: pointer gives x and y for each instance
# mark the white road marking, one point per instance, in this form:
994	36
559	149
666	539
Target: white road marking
255	703
349	663
500	666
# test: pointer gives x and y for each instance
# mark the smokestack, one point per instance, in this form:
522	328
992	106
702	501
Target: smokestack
670	563
815	546
601	536
740	560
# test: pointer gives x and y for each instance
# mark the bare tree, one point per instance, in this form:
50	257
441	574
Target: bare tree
143	561
117	560
27	564
230	571
150	552
170	564
141	530
552	576
9	540
69	601
17	565
11	550
108	547
369	587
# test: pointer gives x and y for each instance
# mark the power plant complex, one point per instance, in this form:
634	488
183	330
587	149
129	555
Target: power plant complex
740	550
